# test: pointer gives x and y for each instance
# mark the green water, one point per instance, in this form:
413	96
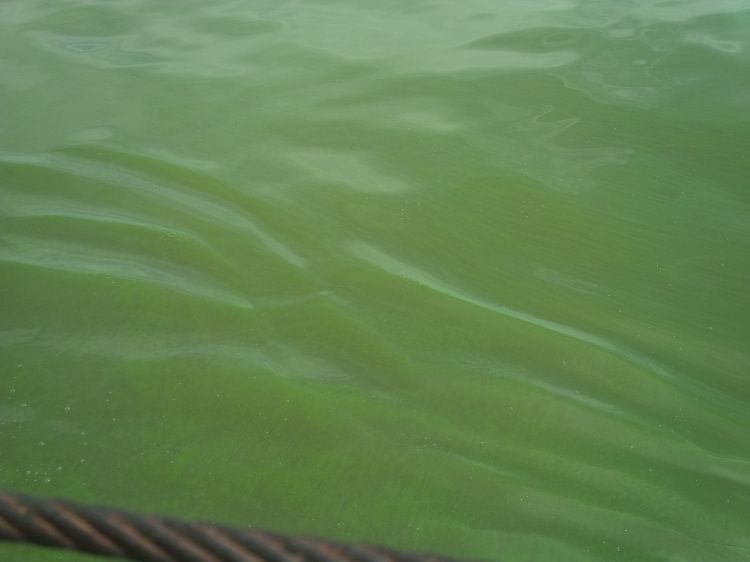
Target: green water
460	277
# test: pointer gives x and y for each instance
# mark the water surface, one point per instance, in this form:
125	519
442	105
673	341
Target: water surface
463	277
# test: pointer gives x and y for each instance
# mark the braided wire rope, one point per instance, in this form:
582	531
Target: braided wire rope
150	538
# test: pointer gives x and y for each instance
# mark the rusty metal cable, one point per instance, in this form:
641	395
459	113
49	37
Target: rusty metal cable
150	538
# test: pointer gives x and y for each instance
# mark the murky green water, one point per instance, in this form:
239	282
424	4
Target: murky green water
465	277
